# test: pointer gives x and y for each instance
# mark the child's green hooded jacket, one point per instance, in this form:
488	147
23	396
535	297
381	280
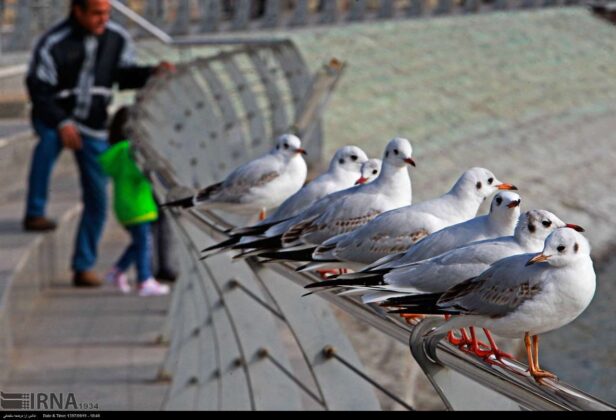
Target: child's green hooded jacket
132	193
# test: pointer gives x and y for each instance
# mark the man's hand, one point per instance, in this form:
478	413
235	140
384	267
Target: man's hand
69	134
164	67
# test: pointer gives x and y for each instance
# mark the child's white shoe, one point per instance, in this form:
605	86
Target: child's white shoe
151	287
119	280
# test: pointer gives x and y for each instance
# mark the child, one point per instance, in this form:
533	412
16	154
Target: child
134	207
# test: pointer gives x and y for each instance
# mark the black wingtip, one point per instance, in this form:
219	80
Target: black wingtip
365	282
183	203
231	241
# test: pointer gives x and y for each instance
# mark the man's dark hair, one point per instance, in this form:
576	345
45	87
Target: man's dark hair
118	129
83	4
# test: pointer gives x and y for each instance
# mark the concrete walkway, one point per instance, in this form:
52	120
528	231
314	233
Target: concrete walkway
97	344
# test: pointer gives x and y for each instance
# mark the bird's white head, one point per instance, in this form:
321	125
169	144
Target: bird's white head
348	158
369	170
398	153
505	205
537	224
480	182
288	145
562	247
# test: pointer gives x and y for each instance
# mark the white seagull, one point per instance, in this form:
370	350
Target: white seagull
370	170
397	230
345	170
259	185
500	221
349	166
523	295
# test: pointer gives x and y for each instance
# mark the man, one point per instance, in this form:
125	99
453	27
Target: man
73	69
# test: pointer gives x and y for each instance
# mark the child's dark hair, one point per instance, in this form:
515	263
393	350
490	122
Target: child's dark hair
117	128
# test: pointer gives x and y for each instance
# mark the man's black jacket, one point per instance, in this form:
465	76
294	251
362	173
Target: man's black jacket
72	72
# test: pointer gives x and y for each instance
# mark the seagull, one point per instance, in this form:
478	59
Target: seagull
259	185
397	230
346	168
522	295
500	221
369	171
348	209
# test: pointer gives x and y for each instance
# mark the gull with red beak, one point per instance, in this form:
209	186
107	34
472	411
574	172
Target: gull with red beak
369	171
397	230
522	295
256	186
346	167
500	221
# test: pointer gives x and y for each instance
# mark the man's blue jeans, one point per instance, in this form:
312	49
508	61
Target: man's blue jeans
139	251
93	187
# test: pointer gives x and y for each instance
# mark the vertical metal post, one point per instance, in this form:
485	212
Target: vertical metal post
22	29
272	14
182	18
212	13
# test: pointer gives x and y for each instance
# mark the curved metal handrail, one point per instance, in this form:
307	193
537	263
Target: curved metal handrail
450	369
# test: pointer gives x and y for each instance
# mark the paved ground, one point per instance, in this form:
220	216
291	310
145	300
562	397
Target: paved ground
97	344
8	127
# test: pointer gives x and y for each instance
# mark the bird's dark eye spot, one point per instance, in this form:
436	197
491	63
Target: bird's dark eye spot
478	185
341	161
547	223
286	146
353	158
490	181
531	227
396	151
576	247
560	248
499	201
387	153
374	172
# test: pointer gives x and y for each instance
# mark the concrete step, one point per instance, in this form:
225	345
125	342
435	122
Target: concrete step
97	344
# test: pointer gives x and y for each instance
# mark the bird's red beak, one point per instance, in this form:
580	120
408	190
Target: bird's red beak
514	204
410	161
575	227
506	187
361	180
537	259
301	150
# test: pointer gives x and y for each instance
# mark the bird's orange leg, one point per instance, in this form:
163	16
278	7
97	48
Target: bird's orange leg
451	337
498	353
532	351
536	371
412	319
475	345
326	274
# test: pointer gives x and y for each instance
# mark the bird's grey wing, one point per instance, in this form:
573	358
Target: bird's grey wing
435	244
345	215
254	174
499	290
386	234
